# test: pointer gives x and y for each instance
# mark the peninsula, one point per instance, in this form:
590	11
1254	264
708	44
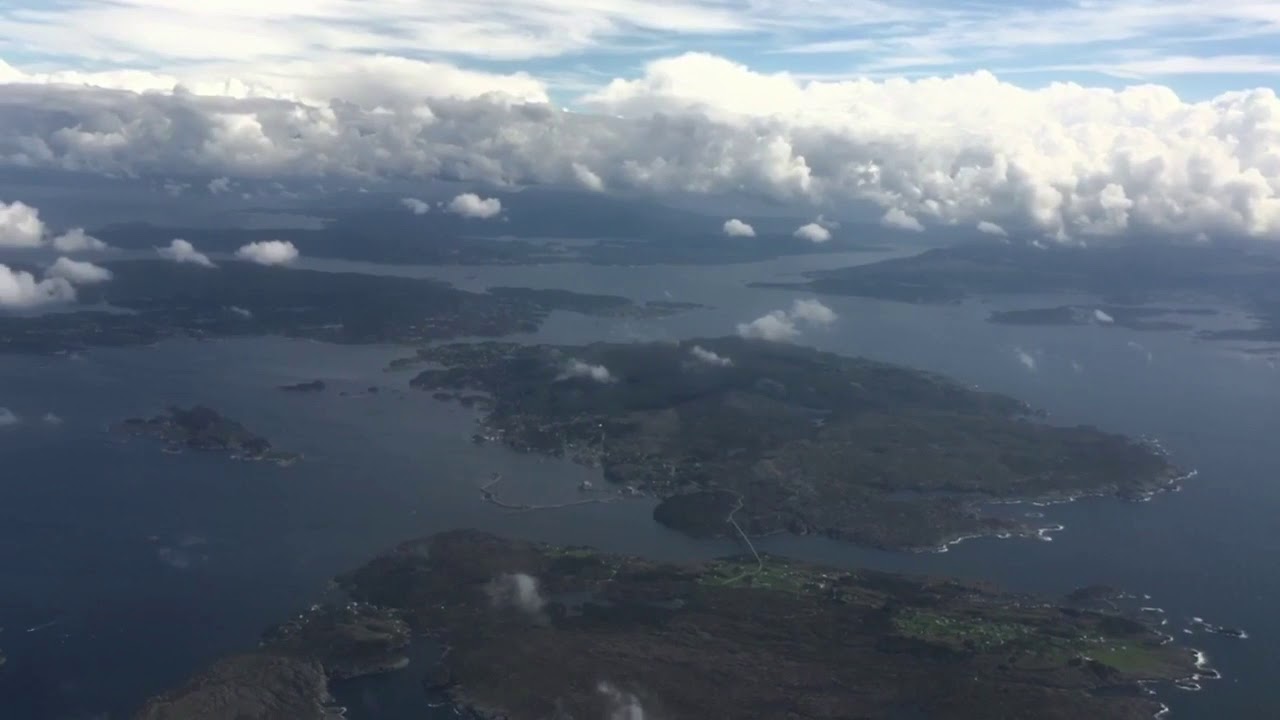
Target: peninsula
788	438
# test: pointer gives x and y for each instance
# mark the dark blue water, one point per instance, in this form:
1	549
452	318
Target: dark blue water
133	567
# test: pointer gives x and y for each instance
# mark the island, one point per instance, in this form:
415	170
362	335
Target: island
1125	279
203	428
149	301
534	631
748	436
304	387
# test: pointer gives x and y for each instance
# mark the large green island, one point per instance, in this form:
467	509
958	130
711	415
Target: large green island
756	437
539	632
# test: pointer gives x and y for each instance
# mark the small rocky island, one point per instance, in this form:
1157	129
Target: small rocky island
773	437
203	428
535	631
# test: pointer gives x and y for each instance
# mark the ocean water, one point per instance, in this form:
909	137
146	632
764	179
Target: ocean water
123	568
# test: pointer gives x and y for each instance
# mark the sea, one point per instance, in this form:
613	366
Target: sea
124	568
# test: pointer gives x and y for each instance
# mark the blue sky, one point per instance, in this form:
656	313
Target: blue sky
1199	49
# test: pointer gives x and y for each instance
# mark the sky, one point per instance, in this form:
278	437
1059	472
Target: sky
1067	120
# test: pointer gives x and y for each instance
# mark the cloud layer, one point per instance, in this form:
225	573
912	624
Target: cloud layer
1063	162
268	252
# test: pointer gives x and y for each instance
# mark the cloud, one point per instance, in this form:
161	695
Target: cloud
8	418
1027	360
516	590
51	418
898	219
219	185
77	272
710	357
1103	317
813	232
471	205
1142	349
268	252
20	290
991	228
734	227
782	325
1060	161
620	705
416	206
776	326
77	240
813	312
181	251
20	226
587	178
577	368
242	312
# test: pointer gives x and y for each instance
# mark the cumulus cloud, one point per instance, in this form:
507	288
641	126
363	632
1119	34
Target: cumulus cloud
1103	317
20	290
783	325
813	312
242	312
577	368
20	225
8	418
77	240
990	228
516	590
733	227
899	219
219	185
620	705
1026	359
77	272
416	206
181	251
587	178
471	205
268	252
775	326
710	357
1062	161
813	232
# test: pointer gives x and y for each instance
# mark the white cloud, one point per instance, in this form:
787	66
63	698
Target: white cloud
20	290
517	590
8	418
710	357
242	312
1103	317
51	418
1142	349
1063	160
621	705
77	272
734	227
471	205
268	252
20	226
587	178
577	368
219	185
416	206
898	219
991	228
1027	360
813	312
813	232
776	326
181	251
77	240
